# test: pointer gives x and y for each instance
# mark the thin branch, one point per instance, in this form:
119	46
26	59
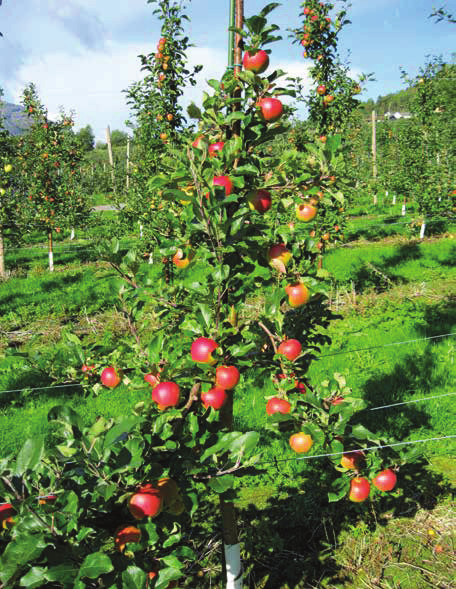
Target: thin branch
271	335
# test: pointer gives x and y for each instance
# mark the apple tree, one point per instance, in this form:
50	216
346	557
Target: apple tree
158	119
50	155
121	498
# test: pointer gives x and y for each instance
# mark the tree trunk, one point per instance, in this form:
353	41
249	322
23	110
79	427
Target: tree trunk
2	255
51	252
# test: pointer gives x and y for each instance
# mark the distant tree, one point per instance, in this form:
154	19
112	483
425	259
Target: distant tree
118	138
442	14
101	145
86	138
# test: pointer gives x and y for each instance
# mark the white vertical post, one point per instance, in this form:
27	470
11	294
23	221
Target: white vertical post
72	233
423	229
403	210
394	198
140	229
233	566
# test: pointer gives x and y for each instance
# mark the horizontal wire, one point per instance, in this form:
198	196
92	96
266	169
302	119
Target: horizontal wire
412	401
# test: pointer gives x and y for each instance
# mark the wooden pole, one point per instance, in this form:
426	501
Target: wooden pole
374	150
111	160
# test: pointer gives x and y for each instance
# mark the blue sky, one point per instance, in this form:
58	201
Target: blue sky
82	53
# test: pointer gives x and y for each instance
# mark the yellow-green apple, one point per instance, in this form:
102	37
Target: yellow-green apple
301	442
352	459
321	89
279	256
306	212
298	294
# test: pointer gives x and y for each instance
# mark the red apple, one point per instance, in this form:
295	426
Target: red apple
352	459
152	379
146	503
124	535
201	350
111	377
277	405
260	200
300	387
224	181
166	394
6	514
214	148
226	377
199	141
290	348
359	489
306	212
271	109
256	61
214	398
385	480
298	294
321	89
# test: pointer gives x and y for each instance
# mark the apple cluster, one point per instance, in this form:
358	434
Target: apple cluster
359	486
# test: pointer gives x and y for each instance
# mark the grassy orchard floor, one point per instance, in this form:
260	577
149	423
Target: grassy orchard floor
388	291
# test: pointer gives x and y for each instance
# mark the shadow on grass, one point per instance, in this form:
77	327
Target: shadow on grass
289	538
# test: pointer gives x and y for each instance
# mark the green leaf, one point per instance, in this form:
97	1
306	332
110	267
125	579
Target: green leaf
194	112
120	431
172	539
30	455
172	561
95	564
362	433
340	488
205	313
65	414
34	578
23	549
133	578
222	484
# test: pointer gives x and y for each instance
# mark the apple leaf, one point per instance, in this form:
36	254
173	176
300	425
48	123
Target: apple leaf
121	430
30	455
95	564
194	112
133	578
222	484
340	487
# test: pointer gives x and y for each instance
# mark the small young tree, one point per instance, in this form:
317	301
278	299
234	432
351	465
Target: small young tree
50	158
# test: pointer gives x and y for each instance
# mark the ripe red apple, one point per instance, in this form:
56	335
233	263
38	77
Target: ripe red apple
385	480
146	503
301	442
124	535
214	148
352	459
178	258
359	489
111	377
260	200
226	377
290	348
306	212
327	99
271	109
277	405
256	61
214	398
152	379
322	138
224	181
6	514
201	350
166	394
321	89
300	387
298	294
